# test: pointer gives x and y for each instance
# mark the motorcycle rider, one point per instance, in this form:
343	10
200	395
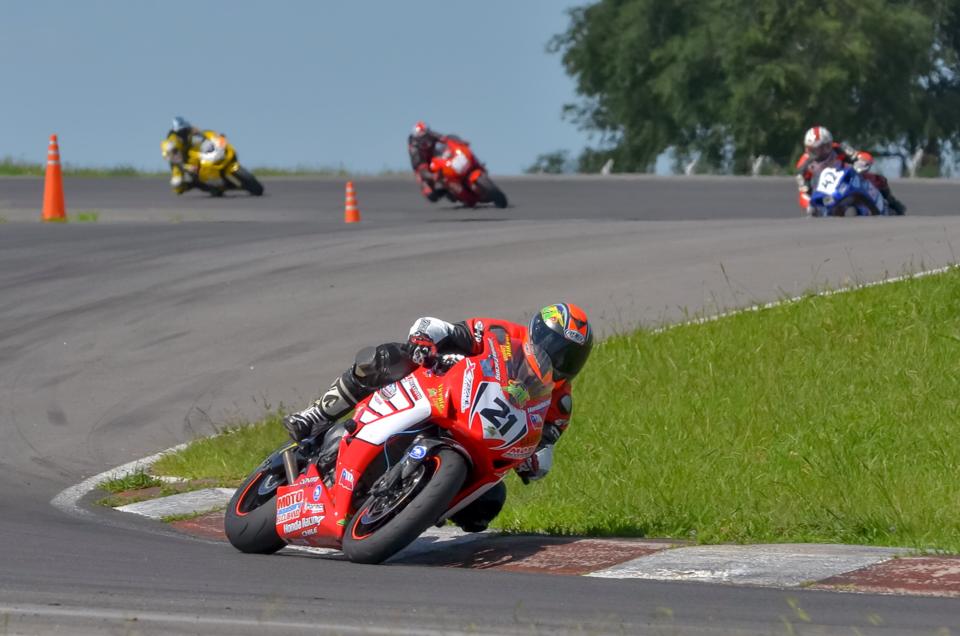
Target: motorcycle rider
560	330
181	139
821	150
423	144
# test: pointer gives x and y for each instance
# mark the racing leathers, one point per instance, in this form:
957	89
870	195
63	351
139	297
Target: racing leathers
422	150
429	340
809	166
182	150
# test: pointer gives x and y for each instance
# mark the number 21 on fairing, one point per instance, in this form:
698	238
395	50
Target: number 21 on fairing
499	419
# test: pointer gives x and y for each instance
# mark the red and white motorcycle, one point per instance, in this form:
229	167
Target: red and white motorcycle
413	454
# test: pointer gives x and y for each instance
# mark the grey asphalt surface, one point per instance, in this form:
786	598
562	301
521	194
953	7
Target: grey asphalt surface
123	337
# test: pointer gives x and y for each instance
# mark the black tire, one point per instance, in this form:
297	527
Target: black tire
250	519
490	192
249	182
369	540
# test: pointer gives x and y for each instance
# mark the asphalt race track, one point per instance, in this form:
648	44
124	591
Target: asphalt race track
167	315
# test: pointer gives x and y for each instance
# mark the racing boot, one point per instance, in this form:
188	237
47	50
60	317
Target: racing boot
317	419
373	368
480	512
896	205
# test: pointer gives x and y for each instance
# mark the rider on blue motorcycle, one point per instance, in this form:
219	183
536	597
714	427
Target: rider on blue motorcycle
820	150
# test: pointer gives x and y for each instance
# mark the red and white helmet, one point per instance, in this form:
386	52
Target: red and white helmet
863	162
420	129
818	142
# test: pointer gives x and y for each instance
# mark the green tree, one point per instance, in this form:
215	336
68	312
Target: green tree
730	80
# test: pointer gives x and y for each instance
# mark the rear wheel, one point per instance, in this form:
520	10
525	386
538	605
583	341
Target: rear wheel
490	192
250	519
387	522
249	182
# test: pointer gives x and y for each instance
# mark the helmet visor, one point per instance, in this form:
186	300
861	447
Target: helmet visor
567	356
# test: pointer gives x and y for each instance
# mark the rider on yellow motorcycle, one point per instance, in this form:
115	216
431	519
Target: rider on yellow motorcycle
205	160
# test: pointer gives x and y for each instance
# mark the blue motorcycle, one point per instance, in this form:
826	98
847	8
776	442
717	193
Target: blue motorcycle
841	188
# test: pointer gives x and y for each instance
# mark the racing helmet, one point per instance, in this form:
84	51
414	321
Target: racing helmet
180	124
562	334
818	142
863	162
419	129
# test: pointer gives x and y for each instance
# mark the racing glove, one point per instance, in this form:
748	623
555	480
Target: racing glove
423	350
309	422
537	465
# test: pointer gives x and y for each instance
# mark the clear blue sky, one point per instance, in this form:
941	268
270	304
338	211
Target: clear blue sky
318	83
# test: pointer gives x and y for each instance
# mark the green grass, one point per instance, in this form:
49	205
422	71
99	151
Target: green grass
85	216
228	457
133	481
10	167
832	419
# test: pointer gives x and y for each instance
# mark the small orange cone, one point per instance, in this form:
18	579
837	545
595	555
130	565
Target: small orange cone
53	206
351	213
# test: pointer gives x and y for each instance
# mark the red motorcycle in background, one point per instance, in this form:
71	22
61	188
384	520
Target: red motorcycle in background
464	177
413	454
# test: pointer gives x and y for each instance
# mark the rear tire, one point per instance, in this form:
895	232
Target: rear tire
490	192
249	182
250	519
372	540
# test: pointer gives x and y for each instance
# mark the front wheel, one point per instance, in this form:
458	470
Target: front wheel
249	182
251	516
489	192
388	522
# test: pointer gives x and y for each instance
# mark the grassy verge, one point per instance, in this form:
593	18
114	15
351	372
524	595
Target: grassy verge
228	457
10	167
833	419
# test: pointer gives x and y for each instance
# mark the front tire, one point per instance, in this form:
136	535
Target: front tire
249	182
251	516
490	192
387	523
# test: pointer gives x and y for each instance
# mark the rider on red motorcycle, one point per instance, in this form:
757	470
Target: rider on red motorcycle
560	330
821	150
423	145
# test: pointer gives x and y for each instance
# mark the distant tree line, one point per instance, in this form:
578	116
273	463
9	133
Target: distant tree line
733	83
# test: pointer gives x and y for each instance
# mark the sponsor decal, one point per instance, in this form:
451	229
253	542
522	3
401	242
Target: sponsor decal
487	366
439	398
288	506
308	532
414	390
314	507
536	421
518	393
520	452
574	335
466	390
418	452
307	480
292	527
346	479
306	522
506	350
316	493
389	391
422	325
478	331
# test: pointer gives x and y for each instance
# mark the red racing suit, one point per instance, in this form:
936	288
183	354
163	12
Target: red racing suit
467	338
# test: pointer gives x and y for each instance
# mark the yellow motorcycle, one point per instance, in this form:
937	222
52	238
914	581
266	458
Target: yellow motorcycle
208	162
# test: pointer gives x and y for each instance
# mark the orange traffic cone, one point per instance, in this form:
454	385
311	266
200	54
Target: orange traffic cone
53	206
351	213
